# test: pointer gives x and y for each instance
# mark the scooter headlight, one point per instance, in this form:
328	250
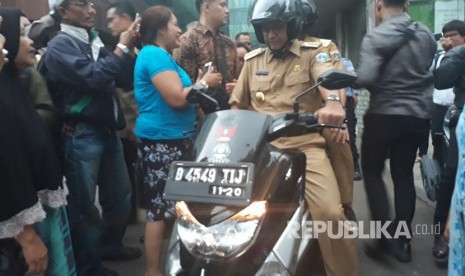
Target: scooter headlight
227	239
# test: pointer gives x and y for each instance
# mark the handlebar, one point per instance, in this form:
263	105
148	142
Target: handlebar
295	124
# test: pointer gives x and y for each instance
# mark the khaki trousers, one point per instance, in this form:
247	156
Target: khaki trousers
324	202
342	161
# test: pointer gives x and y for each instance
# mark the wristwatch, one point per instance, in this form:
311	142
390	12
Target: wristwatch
204	84
333	98
123	48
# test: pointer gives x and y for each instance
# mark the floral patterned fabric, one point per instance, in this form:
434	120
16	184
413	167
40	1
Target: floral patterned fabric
457	216
154	160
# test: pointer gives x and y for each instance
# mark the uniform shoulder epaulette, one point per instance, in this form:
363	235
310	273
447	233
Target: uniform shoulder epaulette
325	42
310	44
254	53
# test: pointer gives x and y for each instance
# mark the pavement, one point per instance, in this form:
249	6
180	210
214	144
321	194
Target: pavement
422	260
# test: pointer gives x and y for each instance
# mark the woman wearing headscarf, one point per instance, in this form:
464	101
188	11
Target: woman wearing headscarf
30	184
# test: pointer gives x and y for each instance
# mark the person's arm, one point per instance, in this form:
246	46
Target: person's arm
370	63
171	89
332	112
166	79
34	251
451	68
66	64
74	66
240	96
187	55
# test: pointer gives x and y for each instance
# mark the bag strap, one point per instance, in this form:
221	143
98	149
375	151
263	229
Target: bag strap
409	33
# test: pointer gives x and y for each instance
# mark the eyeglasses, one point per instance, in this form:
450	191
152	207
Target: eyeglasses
81	3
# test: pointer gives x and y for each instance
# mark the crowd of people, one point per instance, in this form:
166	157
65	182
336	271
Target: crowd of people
94	121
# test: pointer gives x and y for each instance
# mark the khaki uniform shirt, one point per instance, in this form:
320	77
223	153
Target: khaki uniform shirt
199	46
269	85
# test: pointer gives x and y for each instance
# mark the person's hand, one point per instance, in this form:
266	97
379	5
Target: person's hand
340	135
212	78
331	114
34	251
446	43
230	86
125	37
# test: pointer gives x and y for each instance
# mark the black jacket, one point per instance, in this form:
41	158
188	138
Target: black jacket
84	89
395	61
451	73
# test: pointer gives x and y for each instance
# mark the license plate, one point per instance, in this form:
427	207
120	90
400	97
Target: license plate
226	184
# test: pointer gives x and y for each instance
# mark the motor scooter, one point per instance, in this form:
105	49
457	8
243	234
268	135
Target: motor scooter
430	168
239	198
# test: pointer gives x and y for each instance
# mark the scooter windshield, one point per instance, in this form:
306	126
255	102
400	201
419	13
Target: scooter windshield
231	136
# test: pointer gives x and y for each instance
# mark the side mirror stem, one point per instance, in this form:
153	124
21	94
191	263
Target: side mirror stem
296	101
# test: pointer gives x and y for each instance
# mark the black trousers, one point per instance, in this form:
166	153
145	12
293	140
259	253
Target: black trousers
351	126
401	136
437	122
130	157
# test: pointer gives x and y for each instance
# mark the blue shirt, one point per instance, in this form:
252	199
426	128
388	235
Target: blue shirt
350	92
157	120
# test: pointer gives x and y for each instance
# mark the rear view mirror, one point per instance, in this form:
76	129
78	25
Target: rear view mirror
337	79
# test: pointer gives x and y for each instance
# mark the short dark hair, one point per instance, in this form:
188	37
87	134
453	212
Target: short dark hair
153	19
240	44
394	3
124	7
454	25
241	33
199	3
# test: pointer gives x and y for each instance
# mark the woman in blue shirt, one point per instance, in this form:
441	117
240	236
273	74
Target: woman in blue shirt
165	120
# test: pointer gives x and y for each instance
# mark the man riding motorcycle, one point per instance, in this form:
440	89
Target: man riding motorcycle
270	79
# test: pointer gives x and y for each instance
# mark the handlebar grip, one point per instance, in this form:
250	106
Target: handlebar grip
308	118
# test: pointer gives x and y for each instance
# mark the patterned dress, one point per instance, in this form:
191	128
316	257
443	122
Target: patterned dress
457	213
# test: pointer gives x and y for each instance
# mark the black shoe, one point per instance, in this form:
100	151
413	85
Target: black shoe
350	214
401	250
357	175
376	249
440	251
122	253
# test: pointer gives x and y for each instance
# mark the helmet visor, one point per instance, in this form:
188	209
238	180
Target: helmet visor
273	10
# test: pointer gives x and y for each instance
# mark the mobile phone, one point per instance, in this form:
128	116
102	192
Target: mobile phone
437	36
5	52
206	68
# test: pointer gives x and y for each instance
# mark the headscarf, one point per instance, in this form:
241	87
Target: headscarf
10	29
35	137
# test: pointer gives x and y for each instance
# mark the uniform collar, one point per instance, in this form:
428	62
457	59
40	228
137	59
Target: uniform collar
293	49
